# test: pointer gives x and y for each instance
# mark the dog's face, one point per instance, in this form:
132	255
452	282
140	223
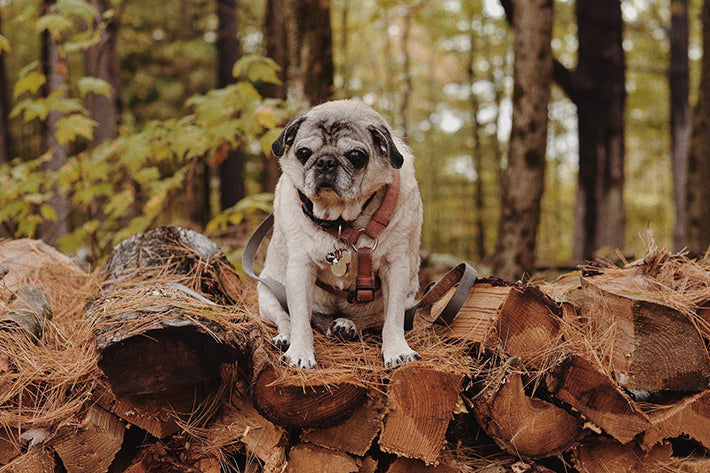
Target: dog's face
337	154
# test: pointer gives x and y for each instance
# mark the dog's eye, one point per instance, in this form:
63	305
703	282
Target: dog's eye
357	157
303	154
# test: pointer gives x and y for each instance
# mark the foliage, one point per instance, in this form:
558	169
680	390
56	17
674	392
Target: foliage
130	184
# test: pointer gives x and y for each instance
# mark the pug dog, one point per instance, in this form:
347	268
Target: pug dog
338	165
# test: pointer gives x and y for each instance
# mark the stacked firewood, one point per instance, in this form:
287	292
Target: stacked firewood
156	362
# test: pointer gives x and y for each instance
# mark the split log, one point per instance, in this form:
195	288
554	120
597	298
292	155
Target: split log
409	465
693	465
304	458
519	320
653	346
602	456
9	445
38	459
30	311
581	384
355	434
421	401
241	423
159	414
523	426
91	445
688	417
289	401
154	330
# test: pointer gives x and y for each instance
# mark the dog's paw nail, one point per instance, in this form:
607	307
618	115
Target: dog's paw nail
343	329
392	361
280	342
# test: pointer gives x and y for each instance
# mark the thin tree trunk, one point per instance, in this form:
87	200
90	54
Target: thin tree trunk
6	153
699	156
524	178
480	240
678	79
54	68
406	90
102	61
276	49
231	170
600	97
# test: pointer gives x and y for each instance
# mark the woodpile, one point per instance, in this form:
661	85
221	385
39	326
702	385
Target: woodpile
157	362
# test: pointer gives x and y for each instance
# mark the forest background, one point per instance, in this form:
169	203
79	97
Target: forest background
546	133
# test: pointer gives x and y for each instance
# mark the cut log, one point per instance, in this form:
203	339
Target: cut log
520	320
409	465
30	311
241	423
38	459
154	332
287	400
421	401
602	456
158	414
693	465
688	417
356	433
89	446
304	458
653	347
523	426
581	384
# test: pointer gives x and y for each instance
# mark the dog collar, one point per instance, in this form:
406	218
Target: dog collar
327	225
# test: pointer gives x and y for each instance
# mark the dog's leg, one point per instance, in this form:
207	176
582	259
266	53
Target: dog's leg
272	312
301	280
395	285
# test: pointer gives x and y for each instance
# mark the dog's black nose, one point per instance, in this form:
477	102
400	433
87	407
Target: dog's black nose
326	163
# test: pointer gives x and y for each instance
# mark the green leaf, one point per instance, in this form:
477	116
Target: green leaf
4	44
257	69
47	212
78	8
73	126
93	85
55	24
267	139
30	109
31	82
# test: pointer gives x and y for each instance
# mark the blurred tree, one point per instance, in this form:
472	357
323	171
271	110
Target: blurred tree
102	62
679	83
54	68
231	169
5	137
310	38
699	156
524	177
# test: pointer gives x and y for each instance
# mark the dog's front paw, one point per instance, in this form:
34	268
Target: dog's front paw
304	360
401	357
281	342
343	329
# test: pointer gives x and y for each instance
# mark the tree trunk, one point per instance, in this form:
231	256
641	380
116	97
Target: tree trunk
311	43
678	79
698	191
6	153
102	61
524	178
231	170
600	96
55	70
276	49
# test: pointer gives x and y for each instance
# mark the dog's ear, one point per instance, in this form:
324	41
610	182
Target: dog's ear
287	136
384	142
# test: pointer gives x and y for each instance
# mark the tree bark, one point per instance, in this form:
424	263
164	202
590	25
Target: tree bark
524	178
231	170
55	70
600	95
698	191
678	80
102	61
6	152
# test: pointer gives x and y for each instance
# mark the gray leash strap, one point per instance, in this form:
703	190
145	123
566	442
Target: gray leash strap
463	274
249	256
